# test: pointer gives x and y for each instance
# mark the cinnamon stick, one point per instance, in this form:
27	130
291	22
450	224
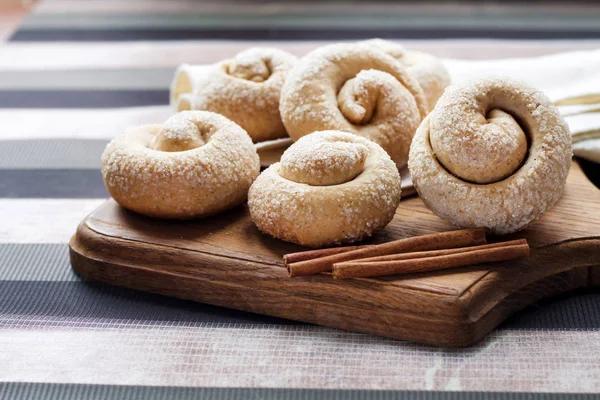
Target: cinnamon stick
311	254
472	256
434	253
435	241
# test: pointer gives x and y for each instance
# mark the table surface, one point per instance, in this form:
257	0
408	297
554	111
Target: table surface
75	74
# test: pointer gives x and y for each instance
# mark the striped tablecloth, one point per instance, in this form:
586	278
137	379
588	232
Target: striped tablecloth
75	74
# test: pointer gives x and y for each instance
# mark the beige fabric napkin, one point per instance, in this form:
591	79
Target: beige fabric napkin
571	80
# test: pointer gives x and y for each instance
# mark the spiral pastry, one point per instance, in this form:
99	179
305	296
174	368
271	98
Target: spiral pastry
494	153
353	88
245	89
197	163
428	70
330	187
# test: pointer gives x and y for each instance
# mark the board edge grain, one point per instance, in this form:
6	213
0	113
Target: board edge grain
462	322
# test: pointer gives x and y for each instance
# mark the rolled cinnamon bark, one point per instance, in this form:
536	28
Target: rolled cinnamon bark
312	254
435	241
435	253
418	263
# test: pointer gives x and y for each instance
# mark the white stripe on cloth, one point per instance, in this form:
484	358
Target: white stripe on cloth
586	135
579	109
68	123
584	126
76	123
92	78
42	220
65	55
588	149
228	355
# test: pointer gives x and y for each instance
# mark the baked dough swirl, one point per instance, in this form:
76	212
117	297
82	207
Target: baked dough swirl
356	89
427	69
245	89
494	153
196	164
329	188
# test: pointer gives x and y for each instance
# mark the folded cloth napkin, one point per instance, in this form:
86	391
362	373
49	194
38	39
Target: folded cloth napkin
585	129
571	80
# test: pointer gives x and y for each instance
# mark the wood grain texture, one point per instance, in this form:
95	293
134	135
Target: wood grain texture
225	261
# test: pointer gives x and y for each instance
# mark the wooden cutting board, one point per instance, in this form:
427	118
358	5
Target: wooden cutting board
227	262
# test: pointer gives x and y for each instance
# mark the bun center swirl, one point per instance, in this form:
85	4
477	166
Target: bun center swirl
181	132
249	66
358	97
355	89
493	153
329	160
482	141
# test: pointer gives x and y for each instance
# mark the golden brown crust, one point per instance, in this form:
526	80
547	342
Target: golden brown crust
195	164
245	89
468	161
352	88
342	193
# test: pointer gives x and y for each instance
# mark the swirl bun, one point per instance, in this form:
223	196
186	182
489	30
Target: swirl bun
245	89
428	70
493	153
197	163
329	188
352	88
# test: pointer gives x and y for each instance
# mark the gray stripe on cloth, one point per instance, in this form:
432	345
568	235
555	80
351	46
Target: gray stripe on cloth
35	262
296	34
51	153
79	79
27	391
37	279
341	19
52	183
82	98
97	301
29	285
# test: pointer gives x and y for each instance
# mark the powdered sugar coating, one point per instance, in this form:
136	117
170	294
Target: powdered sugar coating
427	69
246	89
323	160
210	173
477	141
510	204
351	88
322	215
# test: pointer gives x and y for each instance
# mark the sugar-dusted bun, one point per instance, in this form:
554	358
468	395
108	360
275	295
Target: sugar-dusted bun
493	153
356	89
245	89
427	69
197	163
329	188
